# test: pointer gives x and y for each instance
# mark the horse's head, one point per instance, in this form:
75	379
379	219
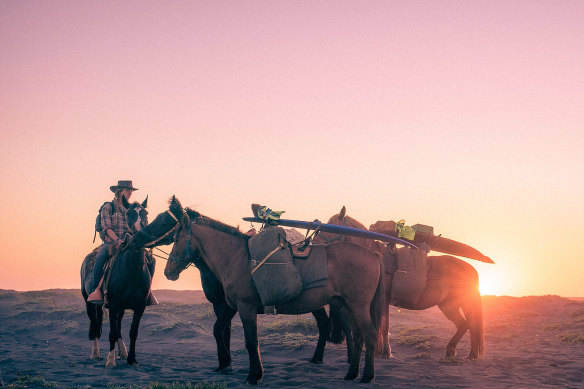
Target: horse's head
181	255
137	215
160	231
341	219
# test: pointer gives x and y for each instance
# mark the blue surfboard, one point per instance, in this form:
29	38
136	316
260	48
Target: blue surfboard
324	227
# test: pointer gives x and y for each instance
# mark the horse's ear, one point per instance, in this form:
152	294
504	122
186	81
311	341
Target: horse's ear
185	220
125	202
343	212
145	202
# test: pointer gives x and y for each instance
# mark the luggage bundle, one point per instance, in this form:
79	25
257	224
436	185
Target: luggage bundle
409	280
273	273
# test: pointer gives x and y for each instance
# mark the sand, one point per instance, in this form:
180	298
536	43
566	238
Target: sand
530	342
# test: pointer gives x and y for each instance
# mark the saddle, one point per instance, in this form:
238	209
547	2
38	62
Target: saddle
280	270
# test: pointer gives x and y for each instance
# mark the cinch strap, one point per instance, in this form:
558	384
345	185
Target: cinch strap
268	256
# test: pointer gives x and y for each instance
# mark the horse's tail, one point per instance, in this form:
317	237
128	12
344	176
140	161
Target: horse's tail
378	304
338	319
476	326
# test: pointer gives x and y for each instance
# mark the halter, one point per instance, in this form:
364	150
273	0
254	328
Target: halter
153	243
185	257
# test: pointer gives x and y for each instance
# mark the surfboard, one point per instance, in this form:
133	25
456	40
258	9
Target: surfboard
336	229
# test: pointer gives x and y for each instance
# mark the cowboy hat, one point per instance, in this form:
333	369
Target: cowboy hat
122	185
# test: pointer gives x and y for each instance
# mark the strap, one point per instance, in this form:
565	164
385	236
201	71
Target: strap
153	243
268	256
172	215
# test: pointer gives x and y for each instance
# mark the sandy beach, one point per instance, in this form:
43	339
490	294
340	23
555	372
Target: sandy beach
535	341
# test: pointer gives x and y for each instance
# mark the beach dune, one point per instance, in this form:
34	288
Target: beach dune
535	341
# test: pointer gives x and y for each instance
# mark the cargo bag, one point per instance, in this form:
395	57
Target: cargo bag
273	273
409	280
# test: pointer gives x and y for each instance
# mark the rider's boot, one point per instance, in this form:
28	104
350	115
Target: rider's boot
96	297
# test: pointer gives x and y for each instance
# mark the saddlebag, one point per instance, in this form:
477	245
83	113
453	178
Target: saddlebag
409	280
273	273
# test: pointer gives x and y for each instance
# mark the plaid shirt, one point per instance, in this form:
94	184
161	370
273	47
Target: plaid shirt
116	221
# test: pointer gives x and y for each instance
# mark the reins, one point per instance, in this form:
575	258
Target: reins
153	243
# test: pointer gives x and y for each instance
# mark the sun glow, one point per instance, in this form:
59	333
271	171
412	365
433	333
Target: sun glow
491	280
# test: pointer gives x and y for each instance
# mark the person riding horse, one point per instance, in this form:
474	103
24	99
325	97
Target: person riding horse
114	225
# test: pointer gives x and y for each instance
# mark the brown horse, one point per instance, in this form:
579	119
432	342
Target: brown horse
454	290
354	278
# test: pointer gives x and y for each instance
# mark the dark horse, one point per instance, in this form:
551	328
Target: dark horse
160	232
354	277
455	289
128	288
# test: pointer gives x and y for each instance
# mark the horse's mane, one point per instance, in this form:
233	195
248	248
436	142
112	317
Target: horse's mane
206	221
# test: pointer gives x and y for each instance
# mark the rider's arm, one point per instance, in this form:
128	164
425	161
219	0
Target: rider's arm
113	236
107	225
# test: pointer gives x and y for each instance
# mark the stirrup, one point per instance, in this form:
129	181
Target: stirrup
151	300
96	297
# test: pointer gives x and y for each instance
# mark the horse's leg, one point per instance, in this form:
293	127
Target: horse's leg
134	334
95	314
248	315
122	352
222	334
113	337
473	310
366	333
451	310
324	329
353	371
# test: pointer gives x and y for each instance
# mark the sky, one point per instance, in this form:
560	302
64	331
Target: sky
465	116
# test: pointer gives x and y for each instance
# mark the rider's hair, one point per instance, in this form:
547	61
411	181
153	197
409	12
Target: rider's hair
118	193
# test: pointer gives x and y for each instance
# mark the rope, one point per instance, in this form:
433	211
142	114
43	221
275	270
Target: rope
268	256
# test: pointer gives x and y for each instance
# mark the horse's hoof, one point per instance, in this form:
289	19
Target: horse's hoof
132	361
366	380
251	381
350	377
224	370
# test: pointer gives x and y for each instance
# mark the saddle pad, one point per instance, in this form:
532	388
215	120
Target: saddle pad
313	270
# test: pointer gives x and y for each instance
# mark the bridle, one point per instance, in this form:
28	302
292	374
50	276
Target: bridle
185	259
156	240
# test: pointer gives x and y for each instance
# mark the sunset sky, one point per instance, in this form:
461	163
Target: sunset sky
463	115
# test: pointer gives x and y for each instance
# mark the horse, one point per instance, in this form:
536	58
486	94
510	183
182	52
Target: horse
454	290
355	277
160	232
128	288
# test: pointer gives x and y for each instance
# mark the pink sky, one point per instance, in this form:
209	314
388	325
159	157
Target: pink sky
466	116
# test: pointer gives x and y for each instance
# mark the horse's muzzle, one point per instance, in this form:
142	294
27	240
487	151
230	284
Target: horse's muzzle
172	276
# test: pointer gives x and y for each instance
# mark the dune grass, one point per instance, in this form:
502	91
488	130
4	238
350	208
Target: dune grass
289	340
289	323
27	381
418	341
573	337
